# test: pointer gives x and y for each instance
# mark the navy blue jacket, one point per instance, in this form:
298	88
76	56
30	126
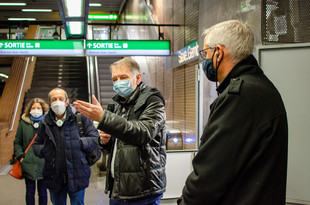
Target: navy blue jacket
64	151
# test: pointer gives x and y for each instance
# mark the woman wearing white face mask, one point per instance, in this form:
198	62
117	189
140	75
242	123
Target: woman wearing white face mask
32	166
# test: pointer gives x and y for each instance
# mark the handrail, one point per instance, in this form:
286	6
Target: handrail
19	96
88	78
97	80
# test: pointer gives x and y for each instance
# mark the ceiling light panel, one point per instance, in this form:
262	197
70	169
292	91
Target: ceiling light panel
21	19
36	10
13	4
73	8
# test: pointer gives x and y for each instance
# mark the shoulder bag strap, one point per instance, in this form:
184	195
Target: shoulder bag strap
80	124
30	143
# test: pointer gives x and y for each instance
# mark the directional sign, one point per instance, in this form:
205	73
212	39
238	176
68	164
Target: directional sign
107	17
41	47
128	48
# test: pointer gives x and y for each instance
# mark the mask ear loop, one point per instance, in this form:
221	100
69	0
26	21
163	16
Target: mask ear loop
217	64
216	68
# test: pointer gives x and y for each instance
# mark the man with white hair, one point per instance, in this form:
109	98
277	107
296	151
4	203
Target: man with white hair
66	170
242	157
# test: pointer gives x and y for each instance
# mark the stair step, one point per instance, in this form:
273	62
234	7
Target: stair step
73	77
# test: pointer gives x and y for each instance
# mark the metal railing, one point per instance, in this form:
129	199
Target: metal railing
19	96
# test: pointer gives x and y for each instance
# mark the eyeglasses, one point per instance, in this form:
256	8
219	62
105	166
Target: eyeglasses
203	52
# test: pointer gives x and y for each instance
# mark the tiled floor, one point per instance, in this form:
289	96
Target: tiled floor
12	191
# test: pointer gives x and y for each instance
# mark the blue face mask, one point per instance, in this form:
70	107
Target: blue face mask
209	69
122	88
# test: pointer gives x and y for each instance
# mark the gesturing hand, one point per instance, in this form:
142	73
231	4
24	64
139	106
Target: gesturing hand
91	111
104	138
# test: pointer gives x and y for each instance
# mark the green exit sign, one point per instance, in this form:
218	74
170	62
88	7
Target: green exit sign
107	17
42	47
128	48
84	48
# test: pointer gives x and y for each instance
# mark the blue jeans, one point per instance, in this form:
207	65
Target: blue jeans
60	197
152	200
31	189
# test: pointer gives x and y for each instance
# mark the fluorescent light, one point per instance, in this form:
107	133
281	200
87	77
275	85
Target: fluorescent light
74	8
13	4
75	27
95	4
37	10
22	19
4	75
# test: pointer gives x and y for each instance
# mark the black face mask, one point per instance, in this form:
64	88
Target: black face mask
209	70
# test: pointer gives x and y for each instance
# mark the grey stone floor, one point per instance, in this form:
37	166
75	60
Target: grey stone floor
12	191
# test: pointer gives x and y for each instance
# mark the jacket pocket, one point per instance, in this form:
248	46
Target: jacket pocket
84	161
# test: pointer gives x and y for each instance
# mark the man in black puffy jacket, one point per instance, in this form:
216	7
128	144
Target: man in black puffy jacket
134	135
66	170
242	158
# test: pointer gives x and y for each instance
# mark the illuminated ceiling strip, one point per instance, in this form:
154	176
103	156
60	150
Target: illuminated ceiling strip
73	8
13	4
75	27
22	19
95	5
36	10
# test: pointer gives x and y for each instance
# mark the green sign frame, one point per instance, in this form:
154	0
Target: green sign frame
84	48
127	48
42	47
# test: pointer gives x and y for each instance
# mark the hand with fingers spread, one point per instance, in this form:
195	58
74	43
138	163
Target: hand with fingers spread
104	137
91	111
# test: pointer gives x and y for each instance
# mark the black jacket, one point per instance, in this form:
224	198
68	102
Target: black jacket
242	158
64	151
141	146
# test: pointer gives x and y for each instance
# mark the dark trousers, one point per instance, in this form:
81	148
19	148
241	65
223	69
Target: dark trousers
152	200
31	189
60	197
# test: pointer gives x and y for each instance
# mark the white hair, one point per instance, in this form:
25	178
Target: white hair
131	63
49	94
236	36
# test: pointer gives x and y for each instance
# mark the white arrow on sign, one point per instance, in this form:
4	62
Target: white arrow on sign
89	45
1	44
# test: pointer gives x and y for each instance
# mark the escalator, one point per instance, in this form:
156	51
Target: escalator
68	73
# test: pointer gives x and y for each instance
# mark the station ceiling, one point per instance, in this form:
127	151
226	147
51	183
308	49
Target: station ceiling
108	6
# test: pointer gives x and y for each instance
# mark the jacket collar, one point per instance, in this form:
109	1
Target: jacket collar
50	116
246	66
26	119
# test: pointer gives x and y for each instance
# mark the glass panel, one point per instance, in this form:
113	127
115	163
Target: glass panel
46	32
15	33
101	33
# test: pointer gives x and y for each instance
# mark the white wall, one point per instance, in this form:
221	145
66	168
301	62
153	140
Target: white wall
288	67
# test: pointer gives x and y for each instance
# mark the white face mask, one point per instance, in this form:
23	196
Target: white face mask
58	107
36	113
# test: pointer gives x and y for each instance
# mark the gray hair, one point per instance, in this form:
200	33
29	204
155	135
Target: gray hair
131	63
49	94
236	36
